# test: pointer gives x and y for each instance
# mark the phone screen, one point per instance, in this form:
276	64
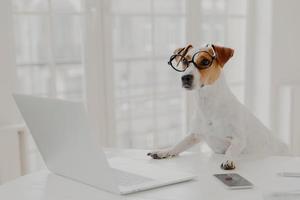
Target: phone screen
234	180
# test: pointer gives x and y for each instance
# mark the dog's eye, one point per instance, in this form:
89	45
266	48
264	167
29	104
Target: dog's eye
185	62
205	62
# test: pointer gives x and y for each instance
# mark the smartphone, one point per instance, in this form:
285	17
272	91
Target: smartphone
234	181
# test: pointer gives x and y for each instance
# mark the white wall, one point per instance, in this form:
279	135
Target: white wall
286	41
273	72
10	167
258	59
8	112
285	70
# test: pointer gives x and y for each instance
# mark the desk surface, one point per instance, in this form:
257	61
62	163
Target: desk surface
261	172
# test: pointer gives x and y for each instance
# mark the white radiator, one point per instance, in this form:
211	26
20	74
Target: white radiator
10	153
289	114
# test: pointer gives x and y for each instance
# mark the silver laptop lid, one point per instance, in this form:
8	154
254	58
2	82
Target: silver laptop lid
61	132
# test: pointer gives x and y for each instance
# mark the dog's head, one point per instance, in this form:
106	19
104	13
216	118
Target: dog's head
200	67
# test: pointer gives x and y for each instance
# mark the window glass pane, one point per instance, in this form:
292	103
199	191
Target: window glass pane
69	81
59	56
142	132
169	34
123	133
132	36
67	37
68	40
213	6
141	107
133	81
213	31
237	7
169	137
31	39
30	5
66	5
169	105
140	74
140	91
121	78
130	6
122	105
235	72
133	78
220	6
206	5
33	80
169	130
169	6
165	74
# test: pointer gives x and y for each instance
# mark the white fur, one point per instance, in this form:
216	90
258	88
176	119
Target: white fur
194	71
224	124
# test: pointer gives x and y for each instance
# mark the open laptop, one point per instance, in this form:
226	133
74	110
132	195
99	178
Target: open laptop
63	136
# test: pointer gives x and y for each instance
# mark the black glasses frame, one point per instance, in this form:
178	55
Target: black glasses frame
191	61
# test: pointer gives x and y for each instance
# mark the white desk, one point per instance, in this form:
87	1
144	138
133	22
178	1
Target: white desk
262	172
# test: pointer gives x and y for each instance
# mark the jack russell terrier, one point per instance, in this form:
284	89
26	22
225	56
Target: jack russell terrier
219	119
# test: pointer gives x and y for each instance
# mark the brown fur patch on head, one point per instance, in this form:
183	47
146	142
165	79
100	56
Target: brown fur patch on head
210	75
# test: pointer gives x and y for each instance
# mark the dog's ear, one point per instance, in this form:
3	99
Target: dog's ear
223	54
178	50
183	50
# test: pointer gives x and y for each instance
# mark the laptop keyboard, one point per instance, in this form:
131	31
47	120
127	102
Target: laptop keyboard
129	179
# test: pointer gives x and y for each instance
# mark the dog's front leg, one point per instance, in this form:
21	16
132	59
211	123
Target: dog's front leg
185	144
236	147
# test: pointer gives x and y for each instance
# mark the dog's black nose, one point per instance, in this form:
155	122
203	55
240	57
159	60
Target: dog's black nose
187	78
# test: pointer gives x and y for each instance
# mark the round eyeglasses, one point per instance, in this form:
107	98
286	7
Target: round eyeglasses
202	59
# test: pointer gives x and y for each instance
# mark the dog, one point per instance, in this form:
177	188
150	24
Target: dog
219	119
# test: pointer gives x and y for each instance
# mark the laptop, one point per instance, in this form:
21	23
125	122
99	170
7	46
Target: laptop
62	133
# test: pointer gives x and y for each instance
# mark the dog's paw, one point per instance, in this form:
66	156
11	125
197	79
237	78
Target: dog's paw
162	154
228	165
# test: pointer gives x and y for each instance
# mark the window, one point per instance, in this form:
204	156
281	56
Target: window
148	104
49	47
148	99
